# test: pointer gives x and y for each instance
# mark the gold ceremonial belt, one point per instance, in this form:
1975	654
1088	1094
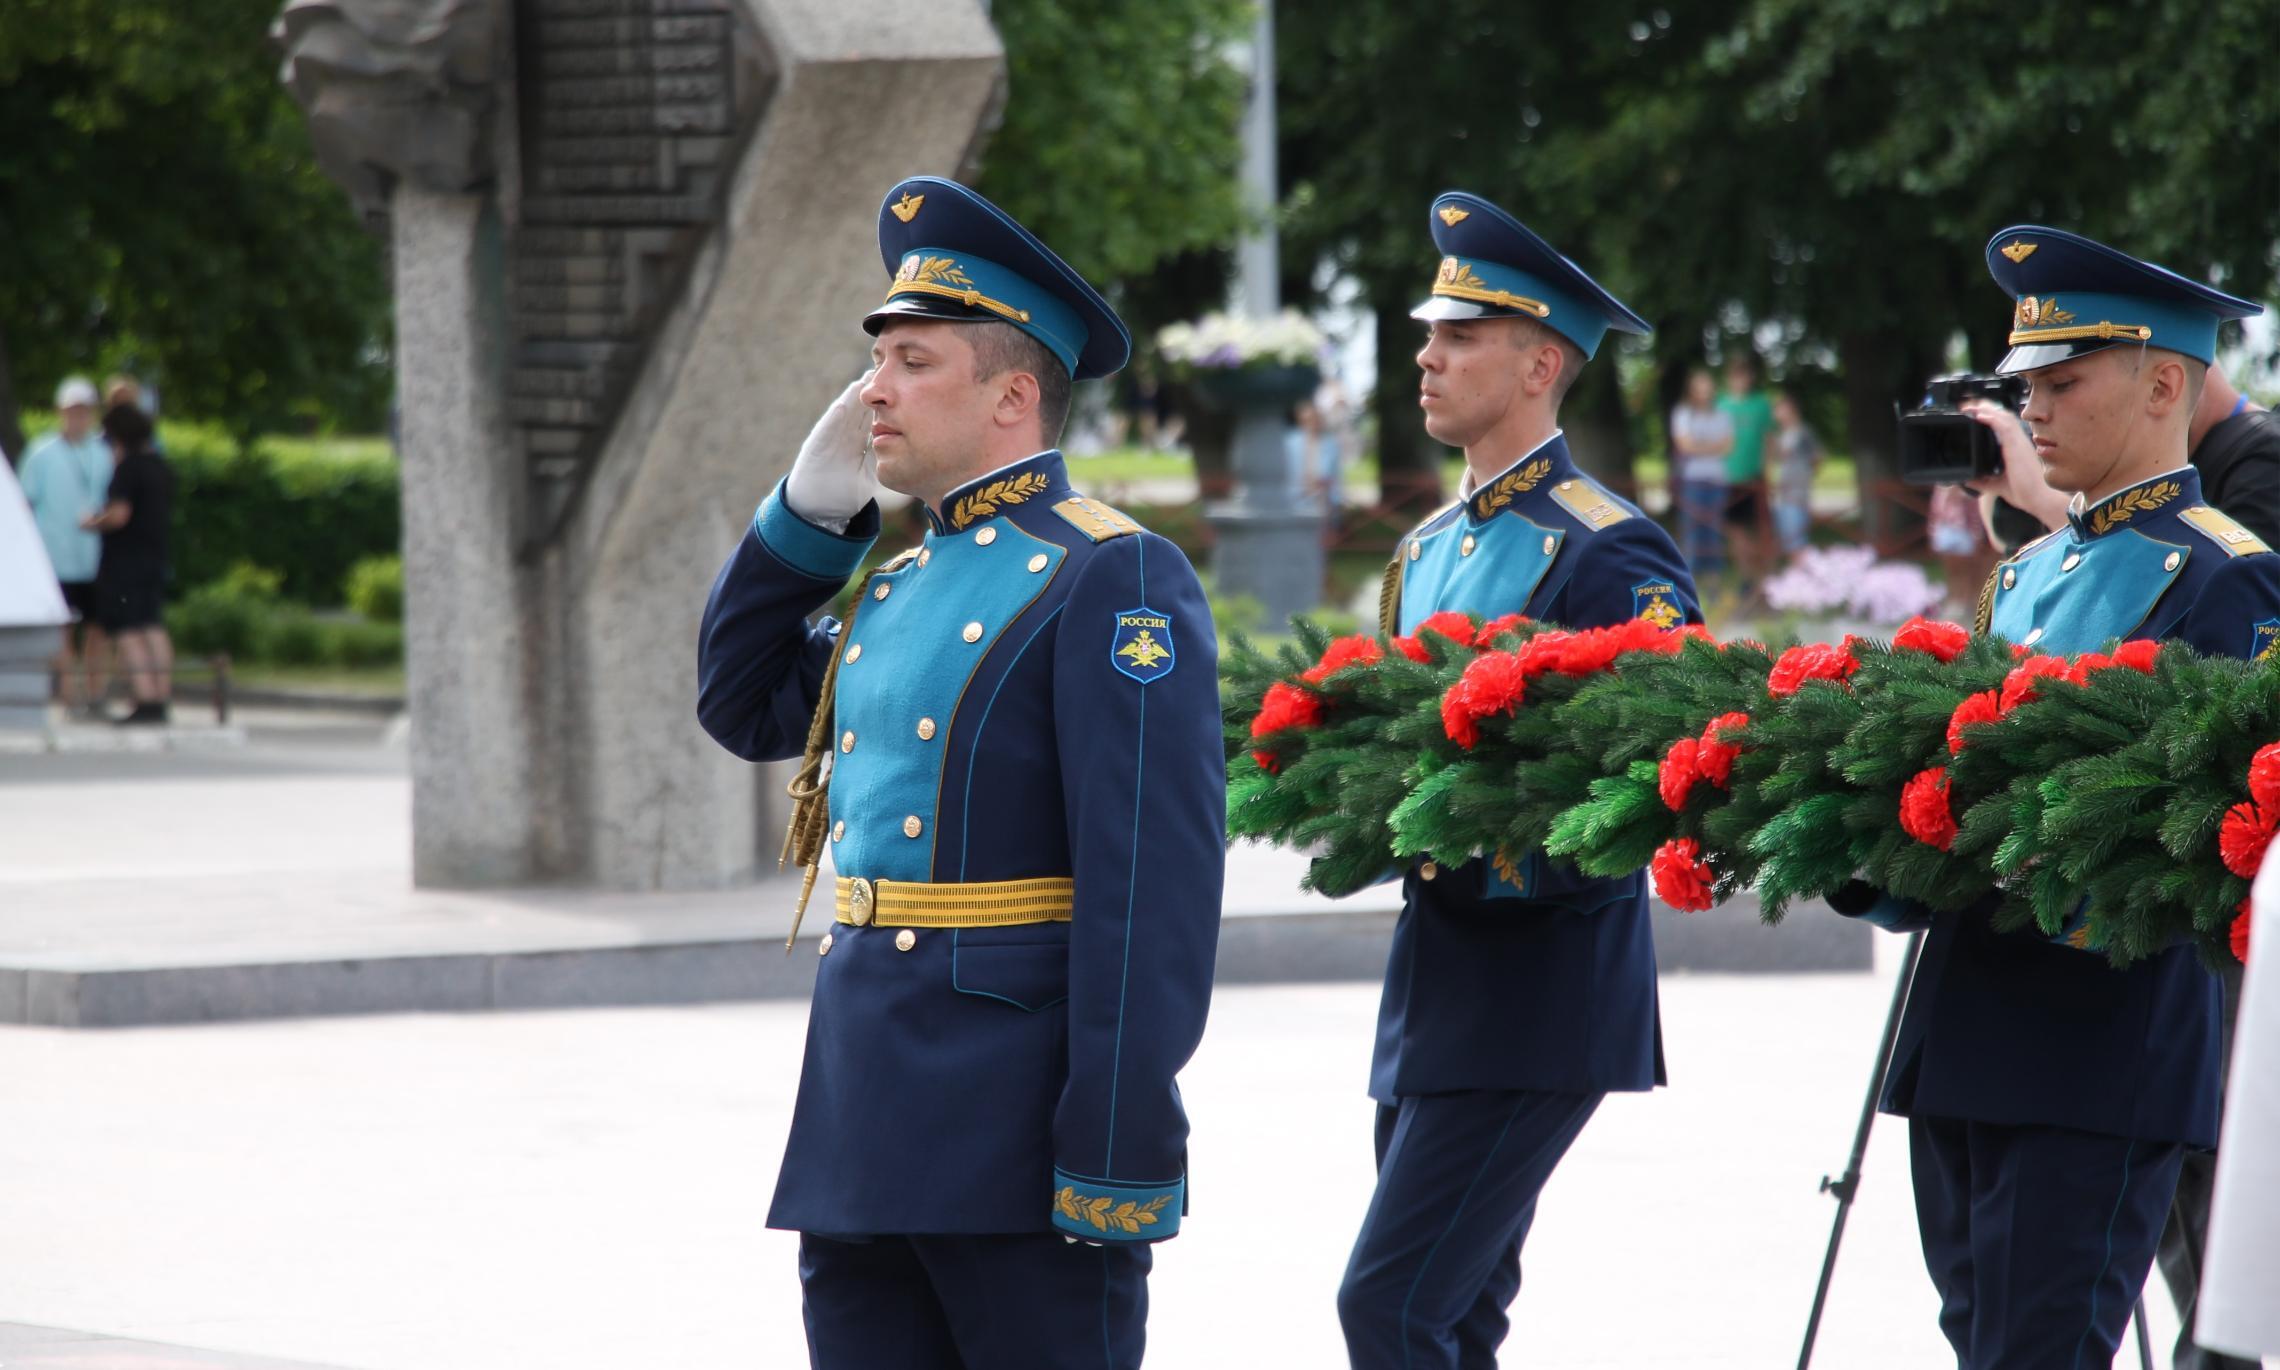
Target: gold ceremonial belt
1504	298
978	904
2102	331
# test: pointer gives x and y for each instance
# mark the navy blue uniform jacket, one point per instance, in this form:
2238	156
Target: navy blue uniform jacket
1546	981
2015	1028
1033	693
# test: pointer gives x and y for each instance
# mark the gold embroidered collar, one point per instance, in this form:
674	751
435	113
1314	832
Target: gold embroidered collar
2115	510
1497	493
999	491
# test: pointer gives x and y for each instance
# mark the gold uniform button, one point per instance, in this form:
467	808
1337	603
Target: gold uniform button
1550	543
1415	551
2172	561
854	652
912	827
823	948
2073	559
905	940
859	899
1037	563
973	632
925	555
881	592
2010	577
847	741
839	830
985	537
2032	638
926	730
1427	871
1465	548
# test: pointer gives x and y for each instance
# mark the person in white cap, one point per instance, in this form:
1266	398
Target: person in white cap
64	476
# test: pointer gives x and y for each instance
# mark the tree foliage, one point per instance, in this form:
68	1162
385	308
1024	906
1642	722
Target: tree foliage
159	208
1825	169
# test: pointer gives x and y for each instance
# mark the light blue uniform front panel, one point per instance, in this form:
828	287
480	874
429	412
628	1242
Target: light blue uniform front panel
915	665
1509	559
2069	597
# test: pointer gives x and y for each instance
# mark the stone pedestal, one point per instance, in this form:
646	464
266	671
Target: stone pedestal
24	654
1269	537
552	637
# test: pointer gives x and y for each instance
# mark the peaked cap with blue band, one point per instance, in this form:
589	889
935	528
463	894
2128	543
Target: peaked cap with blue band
2072	296
954	255
1493	267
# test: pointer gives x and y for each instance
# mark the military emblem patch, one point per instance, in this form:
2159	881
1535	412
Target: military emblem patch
1142	646
2262	638
1656	601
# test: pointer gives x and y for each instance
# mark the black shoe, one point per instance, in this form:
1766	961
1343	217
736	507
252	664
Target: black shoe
151	713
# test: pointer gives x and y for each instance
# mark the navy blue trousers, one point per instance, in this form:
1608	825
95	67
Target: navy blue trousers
2038	1238
980	1302
1438	1258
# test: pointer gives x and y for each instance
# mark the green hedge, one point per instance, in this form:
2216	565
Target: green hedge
241	614
310	510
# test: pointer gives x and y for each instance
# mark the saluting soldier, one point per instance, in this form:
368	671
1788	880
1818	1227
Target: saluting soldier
1025	810
2050	1097
1518	992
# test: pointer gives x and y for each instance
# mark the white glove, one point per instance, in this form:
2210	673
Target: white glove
835	474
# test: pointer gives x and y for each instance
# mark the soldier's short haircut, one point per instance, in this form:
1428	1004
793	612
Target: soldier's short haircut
1527	333
1000	347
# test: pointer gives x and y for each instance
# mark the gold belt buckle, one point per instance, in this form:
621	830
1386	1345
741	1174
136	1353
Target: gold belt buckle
860	899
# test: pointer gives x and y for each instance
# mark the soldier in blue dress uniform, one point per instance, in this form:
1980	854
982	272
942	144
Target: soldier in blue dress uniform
2050	1097
1025	810
1518	992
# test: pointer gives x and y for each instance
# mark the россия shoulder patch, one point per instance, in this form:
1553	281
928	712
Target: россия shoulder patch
1656	601
1142	646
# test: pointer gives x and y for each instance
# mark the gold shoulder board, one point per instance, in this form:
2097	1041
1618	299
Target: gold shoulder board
1594	507
2236	540
1094	519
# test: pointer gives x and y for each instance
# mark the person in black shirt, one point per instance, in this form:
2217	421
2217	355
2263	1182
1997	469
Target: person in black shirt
130	579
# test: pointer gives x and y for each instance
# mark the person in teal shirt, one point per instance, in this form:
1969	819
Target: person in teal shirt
64	476
1752	415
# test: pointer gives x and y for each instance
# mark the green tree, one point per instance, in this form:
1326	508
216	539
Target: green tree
1119	143
159	207
1830	169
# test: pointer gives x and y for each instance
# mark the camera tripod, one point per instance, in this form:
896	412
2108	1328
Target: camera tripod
1844	1187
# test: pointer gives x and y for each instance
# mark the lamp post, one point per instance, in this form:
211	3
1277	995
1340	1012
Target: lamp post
1270	534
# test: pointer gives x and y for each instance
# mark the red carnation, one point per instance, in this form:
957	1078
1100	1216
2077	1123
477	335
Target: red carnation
2019	685
2240	933
1498	627
2087	665
2020	651
1936	637
2242	838
2264	777
2139	655
1542	652
1456	627
1494	683
1353	649
1679	770
1587	652
1924	811
1681	878
1267	762
1286	706
1413	649
1811	661
1984	707
1715	759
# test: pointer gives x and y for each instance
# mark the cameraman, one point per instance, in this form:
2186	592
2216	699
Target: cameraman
2234	444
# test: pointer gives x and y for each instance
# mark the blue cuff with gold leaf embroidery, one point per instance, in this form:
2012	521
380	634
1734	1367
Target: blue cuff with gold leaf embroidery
807	549
1116	1212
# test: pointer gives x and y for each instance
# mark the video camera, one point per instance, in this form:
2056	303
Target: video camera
1942	445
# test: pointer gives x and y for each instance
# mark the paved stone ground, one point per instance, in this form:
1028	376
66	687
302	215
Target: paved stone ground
587	1190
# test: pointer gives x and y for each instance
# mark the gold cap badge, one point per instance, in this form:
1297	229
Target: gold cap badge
1452	216
2039	314
906	208
2018	251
